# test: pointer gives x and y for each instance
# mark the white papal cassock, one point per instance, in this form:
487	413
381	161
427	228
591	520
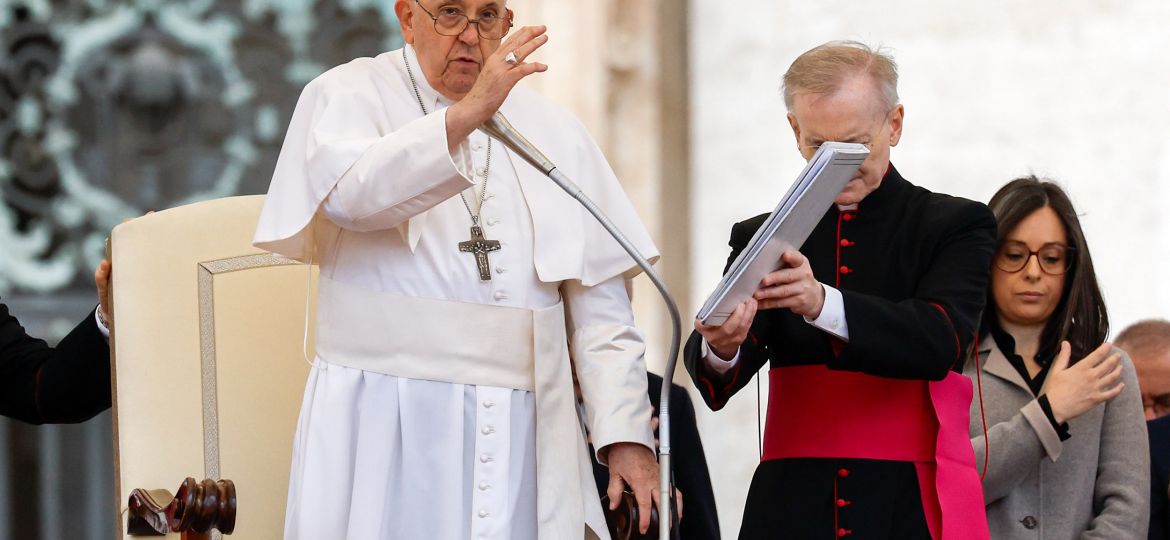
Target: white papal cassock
365	186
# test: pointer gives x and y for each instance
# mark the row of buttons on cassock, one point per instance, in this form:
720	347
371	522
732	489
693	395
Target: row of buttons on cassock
485	458
500	296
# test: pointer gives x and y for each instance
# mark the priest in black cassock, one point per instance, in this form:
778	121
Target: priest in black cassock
40	384
864	329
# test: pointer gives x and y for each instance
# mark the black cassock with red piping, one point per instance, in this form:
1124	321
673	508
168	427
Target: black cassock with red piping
912	267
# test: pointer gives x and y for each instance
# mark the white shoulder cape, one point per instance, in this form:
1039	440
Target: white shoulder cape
346	111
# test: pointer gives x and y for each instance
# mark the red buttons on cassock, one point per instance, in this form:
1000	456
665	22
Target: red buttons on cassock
843	532
843	473
847	217
846	270
841	503
846	243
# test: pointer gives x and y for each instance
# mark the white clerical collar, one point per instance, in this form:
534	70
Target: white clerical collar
847	207
431	97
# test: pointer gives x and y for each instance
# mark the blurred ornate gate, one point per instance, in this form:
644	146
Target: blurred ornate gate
110	108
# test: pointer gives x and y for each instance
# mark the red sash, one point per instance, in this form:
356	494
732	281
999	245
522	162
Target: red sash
815	412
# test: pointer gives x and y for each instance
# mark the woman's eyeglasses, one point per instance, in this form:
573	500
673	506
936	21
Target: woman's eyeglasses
1054	259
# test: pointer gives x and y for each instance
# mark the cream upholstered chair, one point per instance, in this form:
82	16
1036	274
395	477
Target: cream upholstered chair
208	364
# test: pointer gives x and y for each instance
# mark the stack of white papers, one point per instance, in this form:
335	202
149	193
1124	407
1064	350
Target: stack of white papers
786	228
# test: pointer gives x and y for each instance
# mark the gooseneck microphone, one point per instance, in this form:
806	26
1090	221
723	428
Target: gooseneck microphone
498	128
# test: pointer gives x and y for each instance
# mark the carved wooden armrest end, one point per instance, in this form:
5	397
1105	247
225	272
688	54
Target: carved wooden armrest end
197	507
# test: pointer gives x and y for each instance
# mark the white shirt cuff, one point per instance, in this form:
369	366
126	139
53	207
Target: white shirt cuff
832	318
461	155
101	325
720	365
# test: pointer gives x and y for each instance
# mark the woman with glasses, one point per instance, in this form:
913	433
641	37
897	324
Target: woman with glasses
1057	421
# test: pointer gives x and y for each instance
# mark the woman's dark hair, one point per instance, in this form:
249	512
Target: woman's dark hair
1080	316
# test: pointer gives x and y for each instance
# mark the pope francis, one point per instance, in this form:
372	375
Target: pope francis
456	281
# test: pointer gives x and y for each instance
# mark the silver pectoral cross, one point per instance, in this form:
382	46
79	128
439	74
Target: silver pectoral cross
480	246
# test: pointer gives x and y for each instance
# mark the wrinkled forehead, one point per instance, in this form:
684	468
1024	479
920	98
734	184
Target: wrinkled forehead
837	116
1152	362
856	99
859	88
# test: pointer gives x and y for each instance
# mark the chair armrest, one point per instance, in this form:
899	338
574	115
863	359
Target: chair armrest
197	507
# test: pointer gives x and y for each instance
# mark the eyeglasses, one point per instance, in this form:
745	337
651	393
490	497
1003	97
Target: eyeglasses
866	141
1054	259
812	148
452	22
1159	406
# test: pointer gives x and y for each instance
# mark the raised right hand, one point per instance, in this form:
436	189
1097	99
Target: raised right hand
726	338
1093	380
496	80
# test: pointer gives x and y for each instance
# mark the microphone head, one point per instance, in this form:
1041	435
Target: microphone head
500	129
497	125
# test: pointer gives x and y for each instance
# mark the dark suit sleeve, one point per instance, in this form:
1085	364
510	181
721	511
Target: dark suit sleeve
925	336
700	518
1159	432
75	382
1159	509
717	388
21	357
40	384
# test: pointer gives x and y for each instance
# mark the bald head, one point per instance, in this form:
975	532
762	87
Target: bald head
1148	345
1147	335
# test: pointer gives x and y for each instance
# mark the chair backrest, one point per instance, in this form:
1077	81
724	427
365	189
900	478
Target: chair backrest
208	357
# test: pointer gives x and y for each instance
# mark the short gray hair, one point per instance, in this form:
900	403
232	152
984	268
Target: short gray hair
823	69
1150	336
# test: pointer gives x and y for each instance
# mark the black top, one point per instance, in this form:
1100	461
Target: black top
40	384
1007	345
1160	478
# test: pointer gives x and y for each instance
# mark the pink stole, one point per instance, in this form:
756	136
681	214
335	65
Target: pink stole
815	412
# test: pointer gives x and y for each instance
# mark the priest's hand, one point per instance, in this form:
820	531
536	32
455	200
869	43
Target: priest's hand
725	339
634	465
793	287
496	79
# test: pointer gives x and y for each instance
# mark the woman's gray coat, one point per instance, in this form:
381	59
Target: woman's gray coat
1093	485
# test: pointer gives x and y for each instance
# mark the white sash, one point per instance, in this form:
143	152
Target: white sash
464	343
